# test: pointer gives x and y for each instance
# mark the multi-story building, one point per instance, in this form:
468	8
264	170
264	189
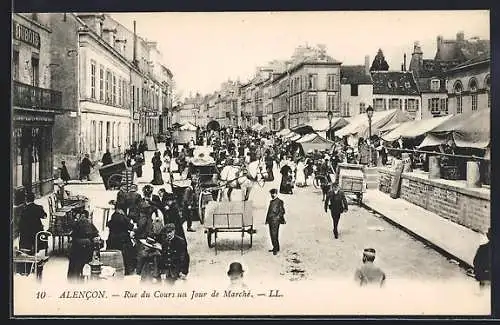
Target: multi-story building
268	104
35	102
356	89
167	82
111	86
396	90
469	85
280	100
245	100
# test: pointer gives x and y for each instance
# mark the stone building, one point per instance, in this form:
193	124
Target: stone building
396	90
36	101
356	89
469	85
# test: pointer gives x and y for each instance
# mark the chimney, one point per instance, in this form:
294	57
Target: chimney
404	62
367	65
460	36
135	46
439	41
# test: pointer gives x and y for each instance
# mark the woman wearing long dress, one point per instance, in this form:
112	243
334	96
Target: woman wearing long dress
286	180
157	178
301	176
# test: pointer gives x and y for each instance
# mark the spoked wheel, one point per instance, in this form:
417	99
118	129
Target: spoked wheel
203	198
359	198
318	181
114	181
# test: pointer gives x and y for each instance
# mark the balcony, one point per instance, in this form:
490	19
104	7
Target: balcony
28	96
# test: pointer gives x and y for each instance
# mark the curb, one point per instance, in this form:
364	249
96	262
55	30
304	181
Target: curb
450	256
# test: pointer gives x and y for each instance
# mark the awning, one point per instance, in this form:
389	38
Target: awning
264	128
302	129
307	137
359	127
256	126
283	132
290	135
470	130
311	142
295	137
432	141
324	124
188	127
413	129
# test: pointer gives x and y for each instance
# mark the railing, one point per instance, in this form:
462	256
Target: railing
28	96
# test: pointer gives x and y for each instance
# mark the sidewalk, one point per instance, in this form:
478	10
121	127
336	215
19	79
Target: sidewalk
451	238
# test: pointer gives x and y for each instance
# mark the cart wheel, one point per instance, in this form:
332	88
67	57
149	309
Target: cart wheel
114	181
360	198
209	238
201	207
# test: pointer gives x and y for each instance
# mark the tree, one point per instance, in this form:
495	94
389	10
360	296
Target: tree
379	62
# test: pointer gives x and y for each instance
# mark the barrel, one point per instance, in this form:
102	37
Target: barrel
114	258
434	167
473	174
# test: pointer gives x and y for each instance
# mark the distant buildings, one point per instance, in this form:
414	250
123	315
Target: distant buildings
356	89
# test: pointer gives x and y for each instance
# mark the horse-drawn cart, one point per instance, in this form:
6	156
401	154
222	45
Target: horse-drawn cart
351	179
223	216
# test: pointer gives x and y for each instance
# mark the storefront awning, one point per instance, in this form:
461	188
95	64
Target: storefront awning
413	129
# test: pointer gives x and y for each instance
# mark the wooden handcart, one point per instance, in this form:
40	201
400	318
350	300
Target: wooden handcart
351	179
234	216
116	174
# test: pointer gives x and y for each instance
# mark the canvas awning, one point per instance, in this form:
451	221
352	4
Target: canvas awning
283	132
469	130
324	125
188	127
413	129
358	125
295	137
302	129
311	142
290	135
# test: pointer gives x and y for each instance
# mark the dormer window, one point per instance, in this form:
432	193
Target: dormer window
389	84
407	85
435	84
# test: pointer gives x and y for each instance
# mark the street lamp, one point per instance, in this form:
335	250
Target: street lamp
369	113
330	117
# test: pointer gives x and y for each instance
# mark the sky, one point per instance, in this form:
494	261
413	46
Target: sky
205	49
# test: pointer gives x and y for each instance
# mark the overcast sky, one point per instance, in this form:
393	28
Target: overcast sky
205	49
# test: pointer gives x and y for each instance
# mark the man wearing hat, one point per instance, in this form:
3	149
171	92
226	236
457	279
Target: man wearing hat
174	261
337	202
368	273
235	274
275	217
482	263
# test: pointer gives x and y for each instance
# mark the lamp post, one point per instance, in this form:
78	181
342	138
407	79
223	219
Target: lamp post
330	117
369	113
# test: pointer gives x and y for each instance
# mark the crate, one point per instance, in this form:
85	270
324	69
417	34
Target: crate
351	184
450	173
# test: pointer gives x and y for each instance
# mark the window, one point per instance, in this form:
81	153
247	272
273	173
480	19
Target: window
458	91
93	135
15	65
378	104
35	73
313	102
354	90
133	98
346	112
332	79
330	103
113	135
312	81
100	140
92	79
474	102
108	134
473	90
362	108
101	83
394	103
108	87
435	84
114	90
407	85
119	91
434	105
118	131
444	105
412	105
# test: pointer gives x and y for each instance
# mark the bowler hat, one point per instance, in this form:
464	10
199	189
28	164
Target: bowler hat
235	268
273	191
169	227
369	252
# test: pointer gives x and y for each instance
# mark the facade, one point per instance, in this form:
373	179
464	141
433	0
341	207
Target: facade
113	85
267	119
279	95
314	91
469	86
396	90
35	104
356	89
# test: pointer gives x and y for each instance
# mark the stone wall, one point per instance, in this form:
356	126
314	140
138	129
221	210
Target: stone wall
448	199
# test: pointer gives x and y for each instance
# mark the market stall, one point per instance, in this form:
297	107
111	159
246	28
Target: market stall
414	129
283	132
184	133
302	129
314	141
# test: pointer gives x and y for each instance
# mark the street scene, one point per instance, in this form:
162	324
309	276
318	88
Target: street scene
310	175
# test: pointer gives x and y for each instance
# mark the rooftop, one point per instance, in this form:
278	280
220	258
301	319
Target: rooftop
394	83
354	75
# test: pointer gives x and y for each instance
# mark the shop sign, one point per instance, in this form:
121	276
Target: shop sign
26	35
32	118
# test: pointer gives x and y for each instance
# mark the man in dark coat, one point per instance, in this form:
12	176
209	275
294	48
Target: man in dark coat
275	217
106	158
174	261
337	203
482	263
188	205
119	238
84	236
31	223
85	167
144	230
64	172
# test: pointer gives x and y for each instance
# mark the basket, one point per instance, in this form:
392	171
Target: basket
114	258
